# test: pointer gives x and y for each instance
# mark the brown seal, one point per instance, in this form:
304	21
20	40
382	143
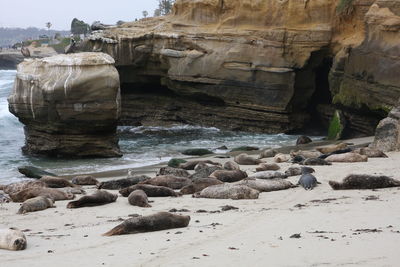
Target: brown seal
268	153
315	162
52	193
97	199
244	159
173	171
156	222
364	181
231	166
122	183
85	180
371	152
199	184
170	181
228	191
279	158
306	154
190	165
139	198
12	239
294	171
268	175
331	148
17	187
56	182
267	185
150	190
267	167
229	176
35	204
347	157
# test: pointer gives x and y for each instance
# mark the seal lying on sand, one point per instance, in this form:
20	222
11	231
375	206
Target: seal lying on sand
371	152
52	193
204	172
85	180
315	162
191	164
56	182
244	159
35	204
341	151
229	176
231	166
347	157
173	171
267	167
306	153
307	180
17	187
267	153
267	185
97	199
268	175
122	183
150	190
169	181
12	239
228	191
364	181
139	198
199	184
156	222
294	171
331	148
279	158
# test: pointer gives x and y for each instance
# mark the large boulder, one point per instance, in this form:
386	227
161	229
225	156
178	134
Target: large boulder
70	105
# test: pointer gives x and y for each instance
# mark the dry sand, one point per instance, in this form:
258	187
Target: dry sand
337	228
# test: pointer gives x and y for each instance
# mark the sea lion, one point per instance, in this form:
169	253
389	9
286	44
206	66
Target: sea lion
303	140
122	183
139	198
229	176
331	148
17	187
97	199
12	239
267	167
173	171
306	154
371	152
51	193
168	181
231	166
340	151
150	190
308	181
56	182
364	181
228	191
85	180
268	175
204	172
244	159
279	158
4	198
199	184
156	222
268	153
35	204
191	164
347	157
266	185
315	162
294	171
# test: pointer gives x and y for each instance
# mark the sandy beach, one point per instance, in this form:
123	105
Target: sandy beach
336	228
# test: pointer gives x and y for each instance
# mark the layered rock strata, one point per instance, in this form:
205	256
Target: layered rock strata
69	104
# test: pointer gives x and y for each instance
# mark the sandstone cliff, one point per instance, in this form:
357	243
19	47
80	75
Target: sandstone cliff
70	105
259	65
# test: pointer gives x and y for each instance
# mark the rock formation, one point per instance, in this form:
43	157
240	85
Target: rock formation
70	105
258	65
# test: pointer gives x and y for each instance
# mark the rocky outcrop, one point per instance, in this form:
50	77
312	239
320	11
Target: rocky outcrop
10	59
387	135
70	105
258	65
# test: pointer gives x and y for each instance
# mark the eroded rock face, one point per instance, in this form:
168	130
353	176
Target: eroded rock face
70	105
257	65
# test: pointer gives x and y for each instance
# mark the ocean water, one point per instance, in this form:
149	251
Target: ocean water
142	146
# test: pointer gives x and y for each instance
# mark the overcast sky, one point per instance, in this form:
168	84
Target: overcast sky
25	13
